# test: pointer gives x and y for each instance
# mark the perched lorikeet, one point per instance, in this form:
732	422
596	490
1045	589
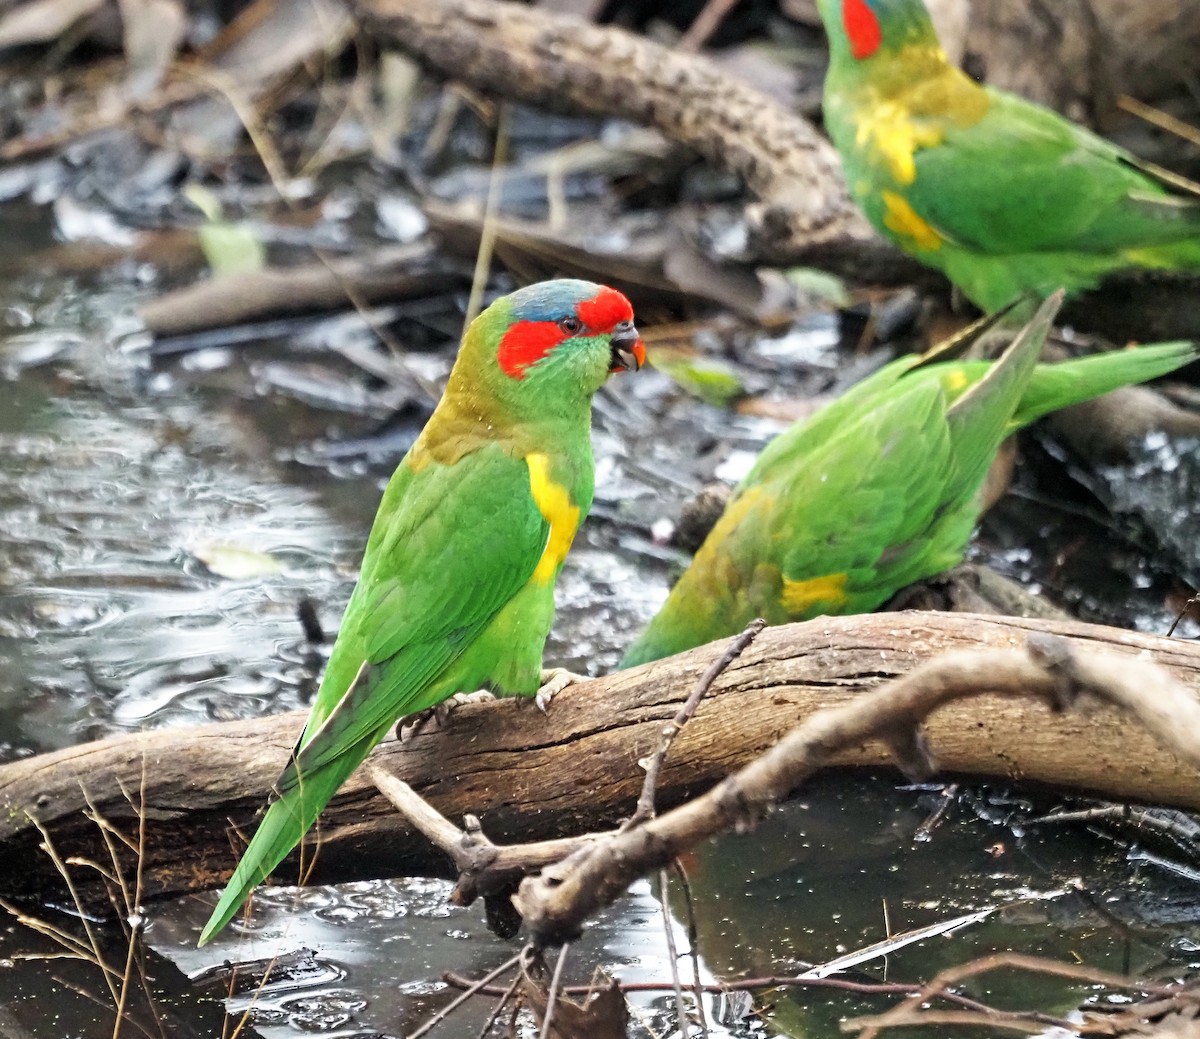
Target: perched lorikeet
1002	195
876	490
456	590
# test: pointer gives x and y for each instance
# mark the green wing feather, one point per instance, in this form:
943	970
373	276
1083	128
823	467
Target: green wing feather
421	603
1024	179
877	490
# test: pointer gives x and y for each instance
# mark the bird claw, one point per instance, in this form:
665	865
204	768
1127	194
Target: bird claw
411	724
553	681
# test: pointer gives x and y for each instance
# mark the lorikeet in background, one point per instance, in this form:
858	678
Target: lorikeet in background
457	584
1000	194
878	489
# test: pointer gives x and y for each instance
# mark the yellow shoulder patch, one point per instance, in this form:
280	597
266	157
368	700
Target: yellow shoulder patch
800	597
553	501
888	129
901	219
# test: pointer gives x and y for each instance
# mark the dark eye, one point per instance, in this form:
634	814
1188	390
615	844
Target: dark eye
570	325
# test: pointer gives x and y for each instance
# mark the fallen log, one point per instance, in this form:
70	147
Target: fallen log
802	213
531	777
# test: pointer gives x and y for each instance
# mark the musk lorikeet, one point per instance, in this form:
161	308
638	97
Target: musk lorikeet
456	590
1002	195
878	489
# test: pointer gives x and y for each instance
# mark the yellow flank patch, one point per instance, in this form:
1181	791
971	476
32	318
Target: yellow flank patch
887	128
903	220
799	597
955	381
554	503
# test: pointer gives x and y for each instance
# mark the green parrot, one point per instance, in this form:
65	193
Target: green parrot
456	590
878	489
1002	195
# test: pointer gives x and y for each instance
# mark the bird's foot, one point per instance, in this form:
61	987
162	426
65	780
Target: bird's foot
411	724
553	681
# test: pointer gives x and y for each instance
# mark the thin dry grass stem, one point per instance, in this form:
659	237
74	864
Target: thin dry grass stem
244	1020
705	24
487	235
552	995
113	878
218	82
316	161
451	102
1192	601
133	918
91	997
72	946
1157	117
108	972
125	901
107	833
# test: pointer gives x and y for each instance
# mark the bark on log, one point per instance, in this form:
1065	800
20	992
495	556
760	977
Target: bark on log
531	777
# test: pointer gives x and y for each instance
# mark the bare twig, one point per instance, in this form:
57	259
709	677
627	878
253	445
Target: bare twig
552	996
925	830
664	894
645	804
555	903
484	868
693	933
579	764
505	998
903	1012
459	1000
1183	830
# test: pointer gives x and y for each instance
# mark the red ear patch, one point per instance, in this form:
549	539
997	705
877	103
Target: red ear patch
862	28
526	343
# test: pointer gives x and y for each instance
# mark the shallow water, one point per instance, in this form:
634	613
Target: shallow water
162	520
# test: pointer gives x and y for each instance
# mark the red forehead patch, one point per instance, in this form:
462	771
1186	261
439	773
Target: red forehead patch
604	310
862	28
527	342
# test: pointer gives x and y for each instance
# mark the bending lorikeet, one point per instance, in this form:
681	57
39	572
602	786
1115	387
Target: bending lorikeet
878	489
457	584
1002	195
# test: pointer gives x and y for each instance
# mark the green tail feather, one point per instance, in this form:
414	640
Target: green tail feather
1055	386
287	820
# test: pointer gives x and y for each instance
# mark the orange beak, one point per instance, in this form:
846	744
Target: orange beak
628	350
